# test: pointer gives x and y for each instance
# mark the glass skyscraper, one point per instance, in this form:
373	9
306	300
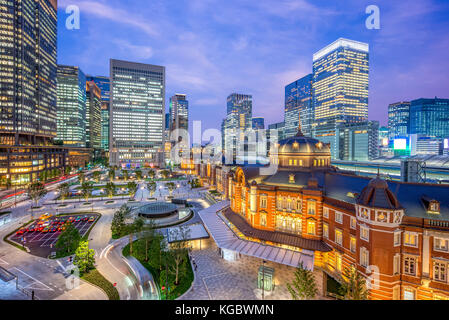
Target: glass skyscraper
398	119
28	90
258	123
93	117
179	112
340	88
238	120
137	114
298	102
430	117
71	106
104	85
358	141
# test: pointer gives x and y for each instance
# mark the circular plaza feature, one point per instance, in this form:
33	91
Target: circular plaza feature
158	210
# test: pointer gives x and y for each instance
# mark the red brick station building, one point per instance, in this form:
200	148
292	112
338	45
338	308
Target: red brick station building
396	234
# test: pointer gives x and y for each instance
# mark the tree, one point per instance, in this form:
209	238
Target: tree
171	187
110	189
303	287
68	169
84	257
165	173
111	174
36	191
148	235
132	188
81	177
135	227
178	250
118	221
69	239
63	190
138	174
96	175
125	175
151	173
151	186
86	189
353	286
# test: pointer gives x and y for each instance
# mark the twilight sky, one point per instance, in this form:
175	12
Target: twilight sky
211	48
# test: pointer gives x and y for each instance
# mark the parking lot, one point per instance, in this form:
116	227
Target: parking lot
42	243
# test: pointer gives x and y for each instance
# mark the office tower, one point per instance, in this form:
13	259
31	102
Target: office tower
429	117
93	117
425	145
298	102
179	120
137	114
358	141
104	85
238	121
398	119
258	123
71	106
340	88
384	141
167	121
28	91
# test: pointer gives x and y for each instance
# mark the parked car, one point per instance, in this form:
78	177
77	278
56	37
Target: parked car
78	219
85	218
91	219
46	229
21	231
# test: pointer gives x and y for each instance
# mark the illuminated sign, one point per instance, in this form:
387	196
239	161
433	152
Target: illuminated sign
446	143
400	144
385	142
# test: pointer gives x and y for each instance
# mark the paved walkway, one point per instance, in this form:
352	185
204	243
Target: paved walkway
216	278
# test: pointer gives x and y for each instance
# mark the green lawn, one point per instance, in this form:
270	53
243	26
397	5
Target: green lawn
97	279
153	265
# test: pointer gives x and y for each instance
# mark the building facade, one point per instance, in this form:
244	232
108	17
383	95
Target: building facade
398	119
238	121
137	114
258	123
104	85
396	235
93	117
298	104
358	141
28	55
340	88
71	106
430	117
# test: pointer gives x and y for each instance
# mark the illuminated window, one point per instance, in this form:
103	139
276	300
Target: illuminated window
326	230
396	263
353	244
353	223
410	239
339	237
364	257
364	233
311	206
326	212
263	219
263	202
311	227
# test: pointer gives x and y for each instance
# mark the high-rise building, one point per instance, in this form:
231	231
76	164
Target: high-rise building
258	123
137	114
93	117
28	90
298	104
358	141
238	121
429	117
179	120
425	145
340	88
104	85
398	119
71	106
384	142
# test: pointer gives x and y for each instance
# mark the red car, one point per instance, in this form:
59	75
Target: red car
85	218
53	229
31	228
92	219
21	231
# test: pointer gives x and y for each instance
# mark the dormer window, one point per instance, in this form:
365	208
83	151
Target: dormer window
296	145
434	207
291	178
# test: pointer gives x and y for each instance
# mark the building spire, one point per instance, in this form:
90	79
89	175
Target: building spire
299	133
